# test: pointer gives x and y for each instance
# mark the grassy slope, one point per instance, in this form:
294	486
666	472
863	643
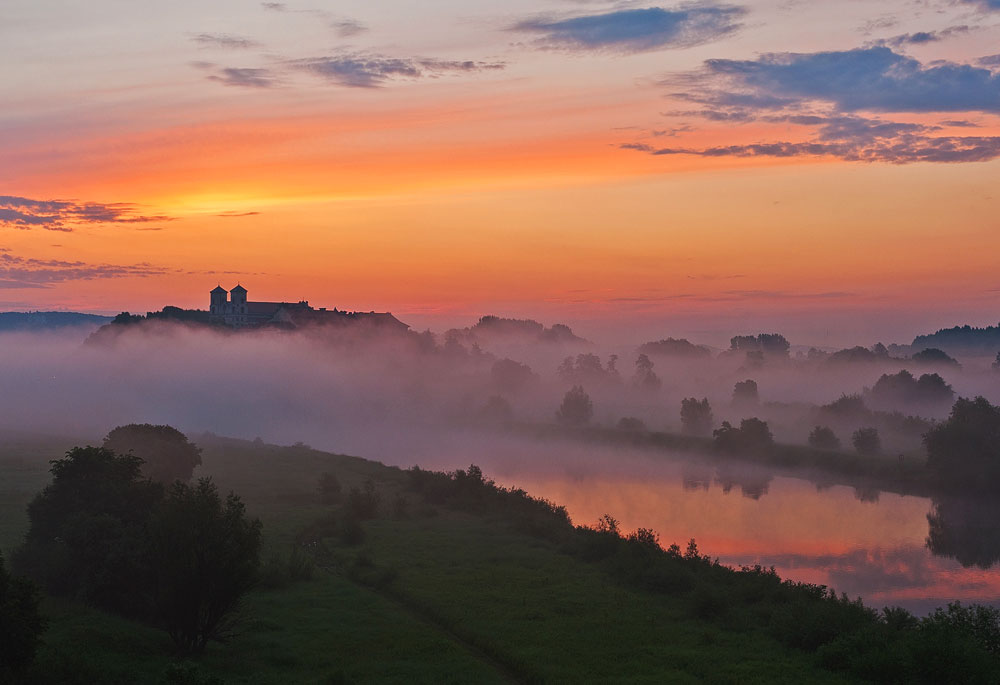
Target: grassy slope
442	597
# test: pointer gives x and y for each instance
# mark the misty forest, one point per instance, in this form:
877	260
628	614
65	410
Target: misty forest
519	504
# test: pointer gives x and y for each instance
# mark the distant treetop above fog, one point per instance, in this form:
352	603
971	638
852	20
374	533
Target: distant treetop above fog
770	344
44	321
962	339
903	390
673	347
527	329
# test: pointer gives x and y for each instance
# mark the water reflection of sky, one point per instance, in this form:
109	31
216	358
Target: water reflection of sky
876	550
867	544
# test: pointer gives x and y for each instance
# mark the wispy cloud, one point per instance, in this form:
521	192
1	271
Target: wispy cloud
225	40
923	37
635	30
824	95
987	5
274	6
65	215
244	77
902	149
358	70
345	28
879	24
20	272
873	79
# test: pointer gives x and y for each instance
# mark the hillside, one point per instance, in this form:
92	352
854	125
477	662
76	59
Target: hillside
47	321
962	339
415	576
433	593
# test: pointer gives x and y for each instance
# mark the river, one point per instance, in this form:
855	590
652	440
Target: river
875	545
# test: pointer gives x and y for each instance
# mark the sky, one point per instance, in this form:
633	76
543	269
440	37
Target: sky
830	170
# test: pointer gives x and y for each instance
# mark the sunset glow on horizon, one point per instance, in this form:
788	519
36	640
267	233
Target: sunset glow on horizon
692	169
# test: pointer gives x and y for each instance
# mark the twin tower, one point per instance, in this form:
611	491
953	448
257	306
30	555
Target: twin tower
229	307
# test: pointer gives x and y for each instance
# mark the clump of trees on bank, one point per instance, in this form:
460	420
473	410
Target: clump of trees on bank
963	452
576	408
753	436
180	556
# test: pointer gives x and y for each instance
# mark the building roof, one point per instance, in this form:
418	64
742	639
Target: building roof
238	287
262	308
219	289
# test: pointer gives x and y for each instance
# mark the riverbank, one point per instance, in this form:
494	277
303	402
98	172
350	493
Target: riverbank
421	576
899	474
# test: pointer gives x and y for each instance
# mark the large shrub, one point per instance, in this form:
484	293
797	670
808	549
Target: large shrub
20	624
166	453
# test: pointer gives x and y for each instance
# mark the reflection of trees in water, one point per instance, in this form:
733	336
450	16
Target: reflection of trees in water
967	530
752	484
866	493
822	482
697	476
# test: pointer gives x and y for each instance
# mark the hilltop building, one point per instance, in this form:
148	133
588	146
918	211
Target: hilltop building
233	309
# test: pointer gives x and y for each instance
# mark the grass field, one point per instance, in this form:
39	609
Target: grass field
432	594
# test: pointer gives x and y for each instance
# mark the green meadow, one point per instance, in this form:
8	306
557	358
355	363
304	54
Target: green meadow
402	576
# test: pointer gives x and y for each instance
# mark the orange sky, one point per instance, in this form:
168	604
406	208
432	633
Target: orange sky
455	191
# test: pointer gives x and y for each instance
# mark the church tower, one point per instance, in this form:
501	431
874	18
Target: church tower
238	305
218	303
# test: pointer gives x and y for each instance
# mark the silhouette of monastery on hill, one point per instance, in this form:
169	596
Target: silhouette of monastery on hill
233	309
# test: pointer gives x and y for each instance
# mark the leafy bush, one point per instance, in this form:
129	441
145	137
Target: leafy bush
87	530
866	441
363	503
21	625
329	488
512	377
278	571
745	394
752	436
964	451
576	408
645	378
471	491
823	438
630	424
166	453
696	416
934	356
204	555
930	390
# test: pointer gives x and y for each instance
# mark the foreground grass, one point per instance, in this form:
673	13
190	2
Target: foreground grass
425	593
551	618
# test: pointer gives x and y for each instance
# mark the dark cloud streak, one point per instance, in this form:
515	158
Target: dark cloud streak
345	28
20	272
225	40
356	70
65	215
635	30
824	93
906	149
244	77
